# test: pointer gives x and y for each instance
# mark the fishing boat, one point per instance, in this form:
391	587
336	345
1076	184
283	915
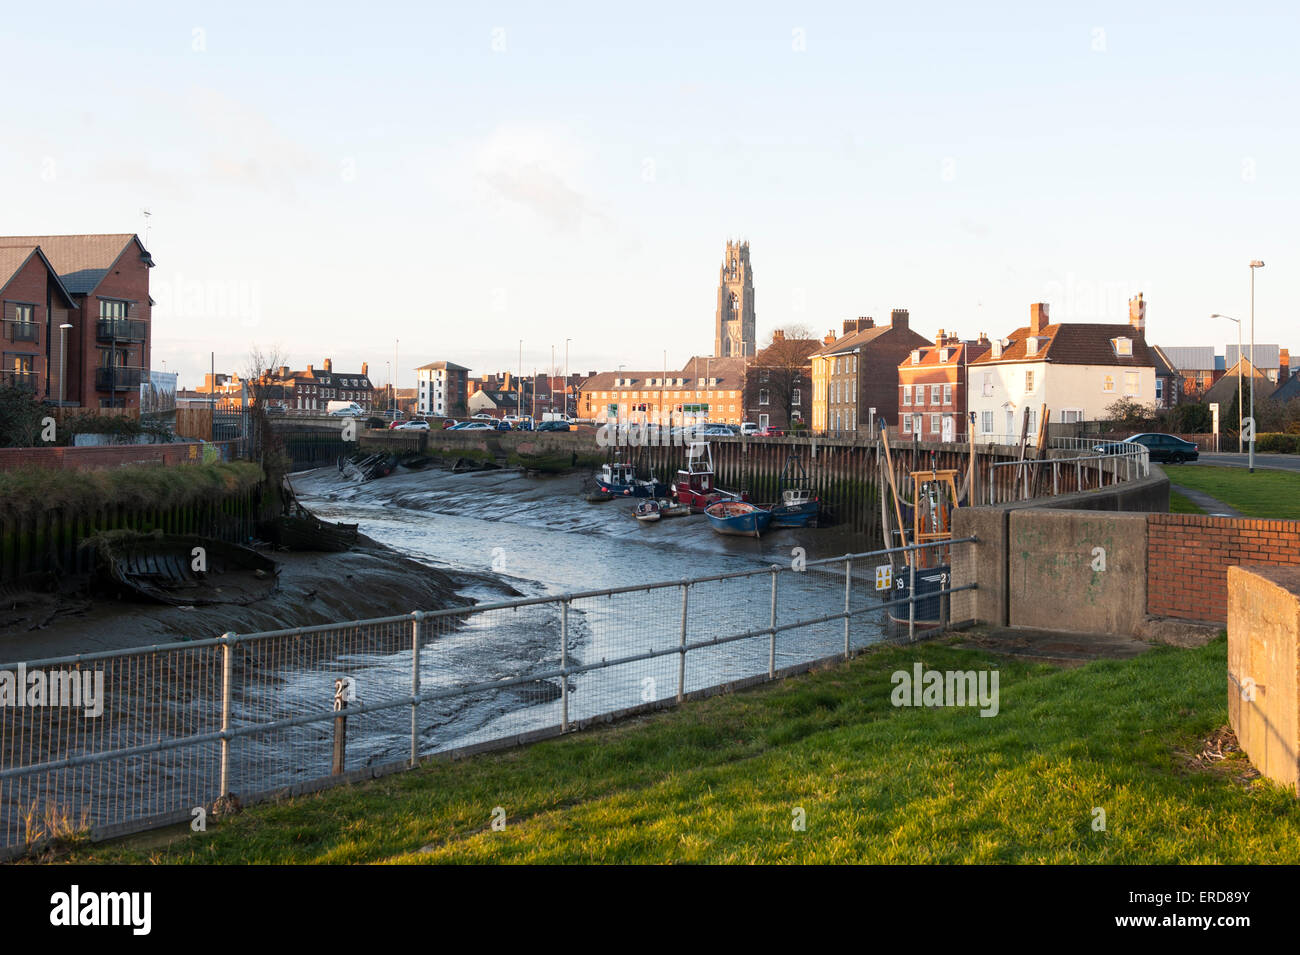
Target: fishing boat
184	570
647	511
668	509
798	506
738	517
695	486
619	478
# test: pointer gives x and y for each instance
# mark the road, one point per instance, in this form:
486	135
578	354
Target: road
1284	462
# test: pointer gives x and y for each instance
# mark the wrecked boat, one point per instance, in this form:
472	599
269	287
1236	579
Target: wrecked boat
184	570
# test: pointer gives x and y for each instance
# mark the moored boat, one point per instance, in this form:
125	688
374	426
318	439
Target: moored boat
669	509
798	506
647	511
695	486
619	479
738	517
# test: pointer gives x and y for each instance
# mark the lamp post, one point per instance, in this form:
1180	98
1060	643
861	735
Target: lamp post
63	367
1239	410
396	372
1256	264
566	378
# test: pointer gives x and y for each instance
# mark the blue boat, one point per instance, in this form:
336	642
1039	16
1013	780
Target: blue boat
738	517
619	479
798	506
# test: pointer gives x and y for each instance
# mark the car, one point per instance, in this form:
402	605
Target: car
483	416
449	423
749	427
771	432
473	426
415	424
275	409
554	426
1161	447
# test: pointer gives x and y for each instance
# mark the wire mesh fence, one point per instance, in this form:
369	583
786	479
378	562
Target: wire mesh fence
126	740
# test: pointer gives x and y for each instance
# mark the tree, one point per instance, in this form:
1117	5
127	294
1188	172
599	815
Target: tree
1191	418
1129	415
260	367
20	418
781	369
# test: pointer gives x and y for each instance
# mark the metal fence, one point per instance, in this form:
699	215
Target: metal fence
1023	480
290	711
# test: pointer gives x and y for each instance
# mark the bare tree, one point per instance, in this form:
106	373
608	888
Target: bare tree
261	366
780	372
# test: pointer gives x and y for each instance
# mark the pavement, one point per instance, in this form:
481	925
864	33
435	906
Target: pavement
1281	462
1210	505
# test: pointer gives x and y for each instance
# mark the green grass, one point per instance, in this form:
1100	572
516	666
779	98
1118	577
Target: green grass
719	780
1181	504
35	490
1266	493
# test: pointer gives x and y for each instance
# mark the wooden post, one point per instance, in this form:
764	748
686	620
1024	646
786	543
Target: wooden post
893	487
340	727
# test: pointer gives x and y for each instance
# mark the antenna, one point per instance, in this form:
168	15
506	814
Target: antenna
147	215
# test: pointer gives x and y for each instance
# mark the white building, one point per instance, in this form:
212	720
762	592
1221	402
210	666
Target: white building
441	388
1077	370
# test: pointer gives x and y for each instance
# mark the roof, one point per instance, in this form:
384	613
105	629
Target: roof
14	258
855	340
442	365
728	372
1288	390
81	261
1191	357
1264	356
957	352
1074	343
1163	365
786	350
1225	389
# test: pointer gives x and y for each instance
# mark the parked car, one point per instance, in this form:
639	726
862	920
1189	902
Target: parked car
449	423
473	426
484	416
748	427
554	426
416	424
770	432
1162	447
275	409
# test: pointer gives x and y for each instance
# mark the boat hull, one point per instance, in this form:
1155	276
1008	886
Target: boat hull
737	518
930	581
796	515
649	489
161	567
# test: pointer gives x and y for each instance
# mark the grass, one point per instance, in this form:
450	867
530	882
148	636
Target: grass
1182	504
1266	493
719	781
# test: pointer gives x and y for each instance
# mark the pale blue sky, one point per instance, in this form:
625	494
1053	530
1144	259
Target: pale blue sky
333	176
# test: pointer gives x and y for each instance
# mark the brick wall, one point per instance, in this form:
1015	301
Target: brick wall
1188	557
110	456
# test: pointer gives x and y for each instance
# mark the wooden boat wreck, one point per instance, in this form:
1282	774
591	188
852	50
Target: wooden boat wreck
184	570
303	530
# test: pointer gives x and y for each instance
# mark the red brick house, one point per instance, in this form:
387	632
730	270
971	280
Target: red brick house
932	388
108	346
32	294
855	376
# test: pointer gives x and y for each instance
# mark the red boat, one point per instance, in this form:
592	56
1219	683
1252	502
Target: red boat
694	486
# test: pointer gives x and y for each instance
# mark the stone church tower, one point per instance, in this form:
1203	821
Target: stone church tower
734	333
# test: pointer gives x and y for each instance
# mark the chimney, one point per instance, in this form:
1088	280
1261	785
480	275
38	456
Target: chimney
778	335
865	322
284	371
983	339
1284	360
365	368
830	338
329	364
1137	314
850	326
1038	319
939	339
310	369
898	319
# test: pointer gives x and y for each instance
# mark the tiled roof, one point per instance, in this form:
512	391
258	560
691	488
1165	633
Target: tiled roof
14	257
81	260
930	355
1074	343
1163	365
447	365
1225	389
729	373
848	343
1288	390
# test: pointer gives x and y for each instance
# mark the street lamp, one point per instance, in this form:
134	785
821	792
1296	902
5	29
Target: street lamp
1255	264
63	368
566	378
1239	410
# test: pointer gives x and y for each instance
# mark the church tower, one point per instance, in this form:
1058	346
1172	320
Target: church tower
734	333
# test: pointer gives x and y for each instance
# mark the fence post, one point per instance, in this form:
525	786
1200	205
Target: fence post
564	665
848	590
681	657
911	596
227	669
416	618
771	634
340	728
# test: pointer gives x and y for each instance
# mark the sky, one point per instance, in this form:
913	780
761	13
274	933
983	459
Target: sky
422	182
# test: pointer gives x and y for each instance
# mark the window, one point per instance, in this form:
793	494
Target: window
907	394
1123	347
920	394
947	394
935	391
795	397
916	357
1029	382
1160	389
934	424
762	396
1130	383
988	389
1108	384
943	356
907	424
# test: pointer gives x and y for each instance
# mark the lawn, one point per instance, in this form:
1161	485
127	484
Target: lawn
1266	493
1181	504
723	781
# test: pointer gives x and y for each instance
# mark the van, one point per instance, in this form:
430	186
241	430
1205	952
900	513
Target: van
344	408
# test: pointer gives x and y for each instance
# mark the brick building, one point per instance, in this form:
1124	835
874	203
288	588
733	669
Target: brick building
443	388
107	349
31	293
778	383
705	389
932	388
855	376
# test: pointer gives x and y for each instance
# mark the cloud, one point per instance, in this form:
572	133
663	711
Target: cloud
536	169
247	148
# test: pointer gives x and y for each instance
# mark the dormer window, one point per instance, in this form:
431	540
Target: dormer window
943	355
916	356
1031	345
997	348
1123	347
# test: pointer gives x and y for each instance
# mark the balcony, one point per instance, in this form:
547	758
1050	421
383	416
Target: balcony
118	378
21	331
122	330
22	380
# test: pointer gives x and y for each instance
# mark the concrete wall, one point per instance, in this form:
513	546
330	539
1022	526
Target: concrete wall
1263	654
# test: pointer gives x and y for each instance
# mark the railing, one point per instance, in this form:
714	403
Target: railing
21	331
122	330
23	380
1024	480
118	377
180	725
